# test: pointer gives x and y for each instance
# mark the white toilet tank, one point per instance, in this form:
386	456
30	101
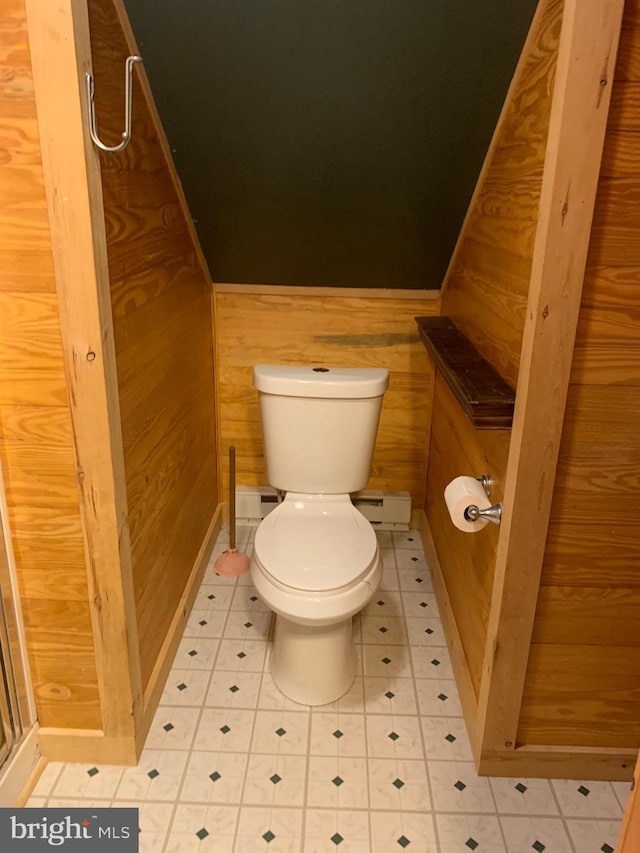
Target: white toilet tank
319	425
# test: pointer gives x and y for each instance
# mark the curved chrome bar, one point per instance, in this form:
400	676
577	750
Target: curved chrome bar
128	87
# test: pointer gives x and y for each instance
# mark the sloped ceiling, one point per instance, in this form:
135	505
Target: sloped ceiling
329	142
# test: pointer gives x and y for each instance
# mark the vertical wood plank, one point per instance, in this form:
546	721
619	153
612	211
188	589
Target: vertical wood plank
60	47
586	58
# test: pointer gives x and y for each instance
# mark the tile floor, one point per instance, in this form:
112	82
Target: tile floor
231	765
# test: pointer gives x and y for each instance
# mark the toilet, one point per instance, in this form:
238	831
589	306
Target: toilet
316	560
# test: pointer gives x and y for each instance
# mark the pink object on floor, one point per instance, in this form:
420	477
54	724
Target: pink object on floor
232	562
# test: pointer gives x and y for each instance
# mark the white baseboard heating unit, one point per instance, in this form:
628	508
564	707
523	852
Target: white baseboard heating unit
385	510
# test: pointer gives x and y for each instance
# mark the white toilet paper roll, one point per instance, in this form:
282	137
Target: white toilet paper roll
461	493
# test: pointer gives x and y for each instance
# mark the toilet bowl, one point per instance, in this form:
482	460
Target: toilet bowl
315	563
316	560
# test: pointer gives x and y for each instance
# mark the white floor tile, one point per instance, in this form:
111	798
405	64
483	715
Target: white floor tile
456	787
281	733
398	784
543	834
587	799
391	831
231	765
394	737
459	833
335	734
225	730
338	783
594	836
327	831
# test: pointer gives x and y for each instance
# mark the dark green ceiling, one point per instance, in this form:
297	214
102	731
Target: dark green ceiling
329	142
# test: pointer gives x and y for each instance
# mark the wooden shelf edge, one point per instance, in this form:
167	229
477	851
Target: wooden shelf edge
483	394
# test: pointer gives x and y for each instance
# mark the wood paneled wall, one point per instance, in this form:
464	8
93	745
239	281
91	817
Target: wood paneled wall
485	293
289	325
162	318
583	682
36	438
486	287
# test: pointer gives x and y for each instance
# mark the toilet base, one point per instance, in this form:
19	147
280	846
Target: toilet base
313	665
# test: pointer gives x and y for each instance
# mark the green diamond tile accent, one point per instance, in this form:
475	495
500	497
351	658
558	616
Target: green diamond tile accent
403	841
202	833
153	773
253	598
93	772
460	785
281	732
275	778
337	838
520	787
389	694
538	846
607	848
211	597
428	631
398	783
423	604
202	622
383	630
435	662
584	791
234	688
248	624
241	655
182	686
380	603
418	580
394	736
386	660
268	836
442	697
471	843
192	653
338	734
215	776
410	539
450	737
337	781
225	730
168	727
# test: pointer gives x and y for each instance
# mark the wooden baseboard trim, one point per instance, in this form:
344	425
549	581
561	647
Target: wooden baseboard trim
21	771
558	762
86	746
158	678
325	292
468	698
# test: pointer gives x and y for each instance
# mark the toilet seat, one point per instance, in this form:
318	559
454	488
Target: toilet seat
316	544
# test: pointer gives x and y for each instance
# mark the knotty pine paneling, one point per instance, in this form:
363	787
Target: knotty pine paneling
293	326
466	561
583	677
36	440
161	304
485	290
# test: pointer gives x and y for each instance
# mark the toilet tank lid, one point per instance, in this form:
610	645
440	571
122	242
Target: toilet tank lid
289	380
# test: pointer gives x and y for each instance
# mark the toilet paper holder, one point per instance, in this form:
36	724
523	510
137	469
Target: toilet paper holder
492	513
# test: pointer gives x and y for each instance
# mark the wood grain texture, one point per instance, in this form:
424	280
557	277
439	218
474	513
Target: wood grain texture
590	598
466	562
351	331
485	290
36	440
582	696
161	308
629	839
586	56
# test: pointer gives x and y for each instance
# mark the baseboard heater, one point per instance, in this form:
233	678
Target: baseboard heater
385	510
